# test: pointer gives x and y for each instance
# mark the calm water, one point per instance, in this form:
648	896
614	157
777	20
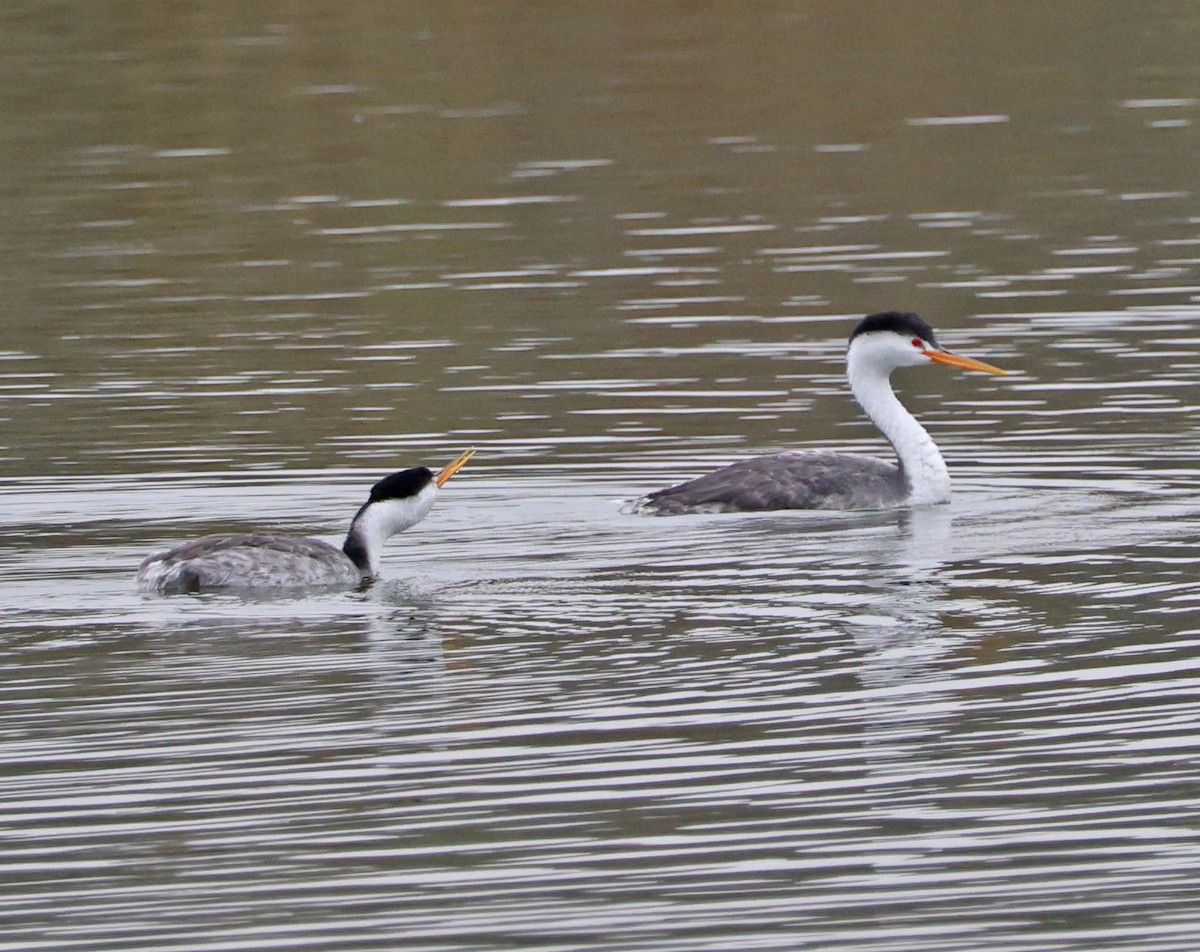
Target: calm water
251	263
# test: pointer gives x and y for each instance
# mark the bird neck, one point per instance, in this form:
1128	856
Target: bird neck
378	521
362	551
921	463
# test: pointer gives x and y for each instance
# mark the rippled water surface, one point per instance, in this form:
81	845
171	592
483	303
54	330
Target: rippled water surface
251	263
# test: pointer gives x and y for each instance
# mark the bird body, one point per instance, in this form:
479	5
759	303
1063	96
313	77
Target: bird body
786	481
271	562
879	344
248	561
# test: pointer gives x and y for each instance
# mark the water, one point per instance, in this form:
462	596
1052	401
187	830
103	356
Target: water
252	263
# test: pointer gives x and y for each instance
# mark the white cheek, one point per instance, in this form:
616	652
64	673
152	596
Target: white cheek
408	512
423	503
395	515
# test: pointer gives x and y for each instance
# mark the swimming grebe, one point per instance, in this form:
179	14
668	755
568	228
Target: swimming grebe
879	344
262	561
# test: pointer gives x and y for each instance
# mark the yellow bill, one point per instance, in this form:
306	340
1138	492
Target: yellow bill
962	363
454	467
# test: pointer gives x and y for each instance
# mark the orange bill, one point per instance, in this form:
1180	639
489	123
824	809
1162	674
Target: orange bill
962	363
453	468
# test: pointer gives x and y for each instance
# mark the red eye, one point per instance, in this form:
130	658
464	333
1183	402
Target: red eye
918	343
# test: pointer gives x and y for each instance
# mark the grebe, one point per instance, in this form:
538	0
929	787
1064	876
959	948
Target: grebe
260	561
878	345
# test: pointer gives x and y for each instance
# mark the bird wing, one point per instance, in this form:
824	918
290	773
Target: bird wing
787	481
247	561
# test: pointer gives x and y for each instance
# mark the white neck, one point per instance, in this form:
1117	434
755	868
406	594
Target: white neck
923	467
379	521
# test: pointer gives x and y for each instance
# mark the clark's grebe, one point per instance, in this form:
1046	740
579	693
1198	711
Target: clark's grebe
878	345
260	561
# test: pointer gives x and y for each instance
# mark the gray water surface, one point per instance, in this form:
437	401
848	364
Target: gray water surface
251	263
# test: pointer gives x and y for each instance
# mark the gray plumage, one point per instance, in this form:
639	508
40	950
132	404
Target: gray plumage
250	561
787	481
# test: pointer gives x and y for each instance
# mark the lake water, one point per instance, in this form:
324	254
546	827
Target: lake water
253	260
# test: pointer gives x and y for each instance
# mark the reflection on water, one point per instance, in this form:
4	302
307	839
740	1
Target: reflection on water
574	717
251	265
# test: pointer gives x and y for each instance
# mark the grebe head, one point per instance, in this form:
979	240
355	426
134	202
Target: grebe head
400	500
882	342
397	502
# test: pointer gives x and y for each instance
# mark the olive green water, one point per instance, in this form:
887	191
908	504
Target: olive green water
253	259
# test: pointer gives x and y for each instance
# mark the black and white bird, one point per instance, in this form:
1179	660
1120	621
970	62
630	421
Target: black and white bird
269	562
816	480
